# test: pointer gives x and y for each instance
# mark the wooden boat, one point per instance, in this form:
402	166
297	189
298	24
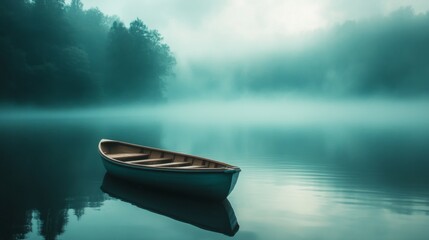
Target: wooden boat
169	170
215	216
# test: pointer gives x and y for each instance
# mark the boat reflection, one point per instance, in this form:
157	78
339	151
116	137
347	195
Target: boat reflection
213	216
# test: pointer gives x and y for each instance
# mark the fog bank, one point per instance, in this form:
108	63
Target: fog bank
248	111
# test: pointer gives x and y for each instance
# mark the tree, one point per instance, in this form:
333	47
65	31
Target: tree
137	57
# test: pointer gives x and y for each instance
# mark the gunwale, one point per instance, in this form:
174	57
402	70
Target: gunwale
226	169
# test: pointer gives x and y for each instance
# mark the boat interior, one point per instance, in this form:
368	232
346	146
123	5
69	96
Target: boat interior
136	155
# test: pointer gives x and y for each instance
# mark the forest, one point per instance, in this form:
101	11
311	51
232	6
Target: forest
58	54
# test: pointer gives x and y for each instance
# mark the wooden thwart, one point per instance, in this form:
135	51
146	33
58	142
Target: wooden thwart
152	160
190	167
173	164
124	156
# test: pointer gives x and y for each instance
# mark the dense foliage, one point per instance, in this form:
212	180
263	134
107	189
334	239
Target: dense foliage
52	53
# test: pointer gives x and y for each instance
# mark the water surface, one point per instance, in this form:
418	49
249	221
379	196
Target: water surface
327	181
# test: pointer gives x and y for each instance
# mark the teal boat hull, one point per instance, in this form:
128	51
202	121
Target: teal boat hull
216	185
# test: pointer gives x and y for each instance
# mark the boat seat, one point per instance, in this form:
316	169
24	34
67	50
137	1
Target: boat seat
172	164
128	156
191	167
151	161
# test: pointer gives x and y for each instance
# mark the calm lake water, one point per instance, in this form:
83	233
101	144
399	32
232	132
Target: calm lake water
327	181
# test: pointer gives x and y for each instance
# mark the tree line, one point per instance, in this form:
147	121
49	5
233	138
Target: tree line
53	53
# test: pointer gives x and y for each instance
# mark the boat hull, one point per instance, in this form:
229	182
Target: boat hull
213	185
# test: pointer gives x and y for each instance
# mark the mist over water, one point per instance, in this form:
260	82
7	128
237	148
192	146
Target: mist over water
253	111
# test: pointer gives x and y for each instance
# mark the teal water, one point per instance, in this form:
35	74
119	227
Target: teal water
309	181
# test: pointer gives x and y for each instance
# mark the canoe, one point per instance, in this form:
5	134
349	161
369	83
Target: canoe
215	216
167	170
